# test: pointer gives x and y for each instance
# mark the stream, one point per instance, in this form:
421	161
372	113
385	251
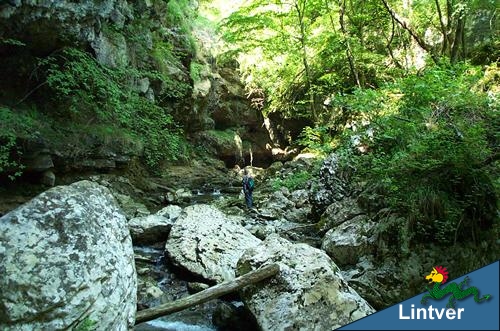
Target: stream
195	319
153	268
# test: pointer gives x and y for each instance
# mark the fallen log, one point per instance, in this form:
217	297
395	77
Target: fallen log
207	295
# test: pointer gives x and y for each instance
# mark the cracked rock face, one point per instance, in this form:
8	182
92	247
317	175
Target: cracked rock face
80	19
207	243
309	293
66	258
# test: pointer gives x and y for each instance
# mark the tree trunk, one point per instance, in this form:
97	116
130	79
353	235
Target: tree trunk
349	54
459	37
389	49
407	26
303	43
208	294
444	30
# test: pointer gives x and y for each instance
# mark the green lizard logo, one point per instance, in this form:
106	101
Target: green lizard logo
439	276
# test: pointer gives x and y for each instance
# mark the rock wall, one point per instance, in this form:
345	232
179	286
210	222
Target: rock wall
126	34
221	107
118	34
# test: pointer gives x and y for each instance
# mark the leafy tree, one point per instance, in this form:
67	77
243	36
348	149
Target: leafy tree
309	50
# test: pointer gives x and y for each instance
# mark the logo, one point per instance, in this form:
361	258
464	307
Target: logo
439	276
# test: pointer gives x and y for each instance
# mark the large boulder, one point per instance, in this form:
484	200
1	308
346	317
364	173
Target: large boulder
66	260
282	204
338	213
309	293
350	240
207	243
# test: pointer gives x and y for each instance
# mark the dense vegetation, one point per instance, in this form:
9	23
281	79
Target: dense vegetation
406	94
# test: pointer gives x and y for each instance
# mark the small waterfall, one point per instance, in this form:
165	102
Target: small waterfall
251	155
239	149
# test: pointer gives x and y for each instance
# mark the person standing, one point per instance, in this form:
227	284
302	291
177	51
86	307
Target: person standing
248	185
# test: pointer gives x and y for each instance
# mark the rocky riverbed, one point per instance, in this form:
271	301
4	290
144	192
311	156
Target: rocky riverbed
339	261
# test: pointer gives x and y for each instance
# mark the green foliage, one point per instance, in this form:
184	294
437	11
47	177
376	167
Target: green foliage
270	40
86	325
425	152
12	126
318	139
92	92
195	70
166	57
293	181
223	137
349	45
179	13
13	42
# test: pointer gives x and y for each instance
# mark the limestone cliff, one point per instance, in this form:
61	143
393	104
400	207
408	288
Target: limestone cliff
150	50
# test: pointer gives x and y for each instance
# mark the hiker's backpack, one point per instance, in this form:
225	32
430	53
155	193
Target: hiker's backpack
250	183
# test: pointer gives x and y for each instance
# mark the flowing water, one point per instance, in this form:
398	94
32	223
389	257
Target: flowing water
198	318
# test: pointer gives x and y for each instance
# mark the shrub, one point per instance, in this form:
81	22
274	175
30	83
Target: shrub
293	181
12	125
91	92
318	140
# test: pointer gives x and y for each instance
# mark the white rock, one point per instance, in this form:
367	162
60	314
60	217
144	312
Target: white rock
150	229
309	293
207	243
66	257
346	243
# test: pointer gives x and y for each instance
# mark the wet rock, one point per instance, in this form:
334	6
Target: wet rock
66	257
309	293
195	287
207	243
149	293
48	178
229	316
130	207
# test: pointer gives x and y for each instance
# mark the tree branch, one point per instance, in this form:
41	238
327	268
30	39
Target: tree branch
406	25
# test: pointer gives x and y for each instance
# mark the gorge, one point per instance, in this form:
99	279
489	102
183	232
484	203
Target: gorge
125	128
